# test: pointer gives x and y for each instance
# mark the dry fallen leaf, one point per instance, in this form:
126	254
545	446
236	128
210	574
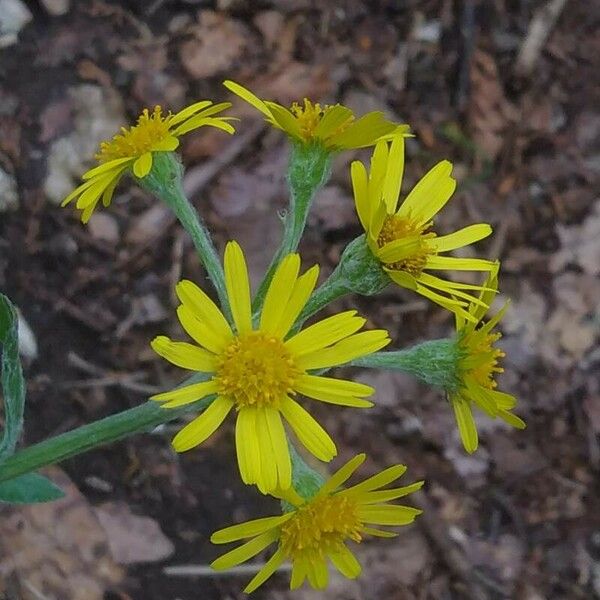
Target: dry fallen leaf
489	111
217	43
56	550
580	244
132	538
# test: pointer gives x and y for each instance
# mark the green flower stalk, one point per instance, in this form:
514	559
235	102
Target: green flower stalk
309	169
165	181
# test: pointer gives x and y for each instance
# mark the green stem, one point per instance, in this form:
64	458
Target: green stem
165	181
308	171
435	362
115	427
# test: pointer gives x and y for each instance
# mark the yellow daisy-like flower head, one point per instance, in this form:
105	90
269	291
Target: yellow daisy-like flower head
132	149
401	236
258	371
317	529
478	365
334	127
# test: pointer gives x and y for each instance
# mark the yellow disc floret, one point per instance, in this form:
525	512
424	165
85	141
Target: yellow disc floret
150	129
256	370
310	115
480	358
320	527
396	227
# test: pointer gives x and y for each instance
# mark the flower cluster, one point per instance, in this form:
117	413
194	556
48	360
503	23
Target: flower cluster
252	355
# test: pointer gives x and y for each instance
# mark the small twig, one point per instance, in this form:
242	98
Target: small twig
538	31
207	571
106	378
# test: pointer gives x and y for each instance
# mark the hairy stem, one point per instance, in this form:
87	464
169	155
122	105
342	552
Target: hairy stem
165	181
308	171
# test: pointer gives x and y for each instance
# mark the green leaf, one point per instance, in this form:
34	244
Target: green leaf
13	385
28	489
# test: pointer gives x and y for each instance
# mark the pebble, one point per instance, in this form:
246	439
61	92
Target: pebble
14	15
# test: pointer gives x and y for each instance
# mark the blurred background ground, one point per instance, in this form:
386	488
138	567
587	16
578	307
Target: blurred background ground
506	89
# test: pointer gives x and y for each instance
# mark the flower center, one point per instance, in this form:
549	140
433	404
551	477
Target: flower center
321	526
397	228
309	116
150	129
481	359
256	370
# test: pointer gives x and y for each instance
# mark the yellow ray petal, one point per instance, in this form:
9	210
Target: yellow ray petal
280	448
391	494
201	121
430	194
316	570
399	249
325	332
376	481
359	344
379	532
167	144
143	165
268	467
309	432
450	263
341	475
386	514
270	567
466	423
111	165
334	391
246	445
206	310
245	551
188	111
202	426
365	131
200	331
248	96
238	287
279	292
298	574
512	419
188	393
394	173
462	237
360	184
184	355
345	562
248	529
305	284
285	119
333	119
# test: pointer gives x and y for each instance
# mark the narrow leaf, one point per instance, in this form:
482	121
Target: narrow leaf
13	385
28	489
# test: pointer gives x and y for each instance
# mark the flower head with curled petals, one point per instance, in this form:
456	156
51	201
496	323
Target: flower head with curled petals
334	127
402	238
477	367
317	529
259	371
132	149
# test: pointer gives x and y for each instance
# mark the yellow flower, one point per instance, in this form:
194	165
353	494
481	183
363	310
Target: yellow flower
257	371
401	237
334	126
318	529
477	368
133	148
